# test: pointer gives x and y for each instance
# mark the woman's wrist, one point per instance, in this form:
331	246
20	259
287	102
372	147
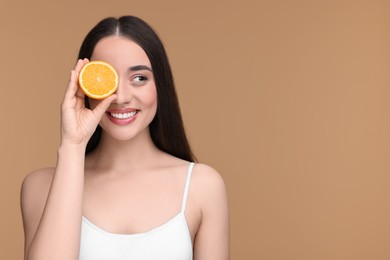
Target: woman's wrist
71	157
71	147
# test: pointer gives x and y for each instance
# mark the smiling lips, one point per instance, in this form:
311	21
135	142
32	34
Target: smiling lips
122	117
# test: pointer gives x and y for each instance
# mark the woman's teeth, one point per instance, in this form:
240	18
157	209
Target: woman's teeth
123	115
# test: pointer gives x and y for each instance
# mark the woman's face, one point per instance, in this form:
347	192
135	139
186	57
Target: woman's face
136	104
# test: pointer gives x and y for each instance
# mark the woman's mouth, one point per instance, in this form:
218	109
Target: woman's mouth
123	115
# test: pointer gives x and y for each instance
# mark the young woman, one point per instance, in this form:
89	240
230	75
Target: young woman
125	185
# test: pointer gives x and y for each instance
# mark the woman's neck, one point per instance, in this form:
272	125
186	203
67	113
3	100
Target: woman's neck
138	152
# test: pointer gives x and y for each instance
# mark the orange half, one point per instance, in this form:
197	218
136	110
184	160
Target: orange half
98	79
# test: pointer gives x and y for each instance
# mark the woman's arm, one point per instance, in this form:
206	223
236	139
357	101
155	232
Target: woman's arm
51	201
51	208
212	237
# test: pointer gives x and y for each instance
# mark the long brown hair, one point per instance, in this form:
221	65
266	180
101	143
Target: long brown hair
167	128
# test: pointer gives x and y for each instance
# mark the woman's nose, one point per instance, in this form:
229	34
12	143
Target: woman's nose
123	92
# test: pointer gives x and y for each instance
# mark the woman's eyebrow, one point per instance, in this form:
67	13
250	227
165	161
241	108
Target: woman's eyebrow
140	67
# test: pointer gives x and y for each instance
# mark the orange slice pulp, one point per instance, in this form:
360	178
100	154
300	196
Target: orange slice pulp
98	79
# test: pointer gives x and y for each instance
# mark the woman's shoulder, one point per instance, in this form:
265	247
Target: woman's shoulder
207	175
36	185
205	180
209	200
207	184
38	177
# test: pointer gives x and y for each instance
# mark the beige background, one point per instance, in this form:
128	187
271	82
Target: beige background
289	100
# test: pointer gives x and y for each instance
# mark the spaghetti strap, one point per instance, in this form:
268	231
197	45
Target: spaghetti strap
184	201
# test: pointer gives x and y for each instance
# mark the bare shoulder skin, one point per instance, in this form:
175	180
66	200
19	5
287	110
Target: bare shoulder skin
208	194
33	196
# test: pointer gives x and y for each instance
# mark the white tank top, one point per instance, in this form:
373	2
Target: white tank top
170	241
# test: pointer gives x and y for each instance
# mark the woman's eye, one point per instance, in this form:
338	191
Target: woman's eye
139	80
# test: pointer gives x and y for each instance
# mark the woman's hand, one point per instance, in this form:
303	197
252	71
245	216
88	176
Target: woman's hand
78	122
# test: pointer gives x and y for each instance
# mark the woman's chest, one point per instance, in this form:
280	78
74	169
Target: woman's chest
127	207
170	240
